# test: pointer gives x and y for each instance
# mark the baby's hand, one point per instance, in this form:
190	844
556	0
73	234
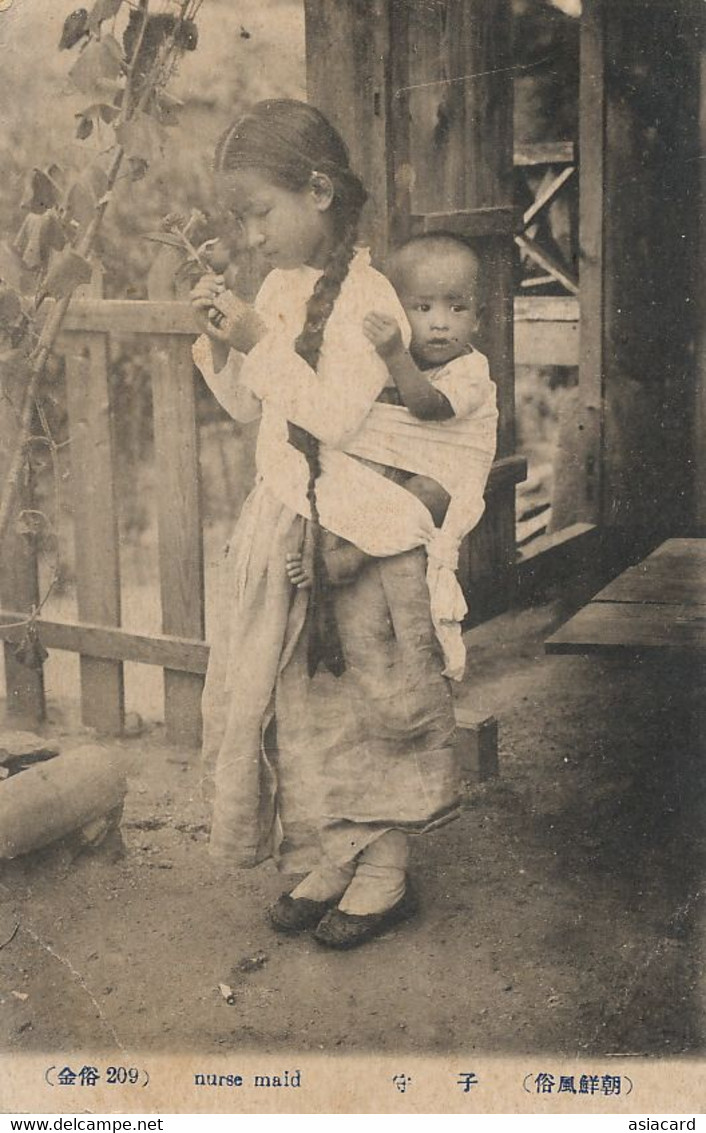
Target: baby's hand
384	333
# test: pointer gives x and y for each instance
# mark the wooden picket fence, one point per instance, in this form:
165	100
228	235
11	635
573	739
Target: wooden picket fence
180	650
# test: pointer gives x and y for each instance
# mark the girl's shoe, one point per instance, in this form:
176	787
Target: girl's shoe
347	930
297	914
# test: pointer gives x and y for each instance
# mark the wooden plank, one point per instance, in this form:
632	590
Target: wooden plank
97	554
627	627
674	573
545	153
476	744
19	589
587	439
179	516
546	308
131	316
401	171
500	220
113	644
546	196
19	586
546	344
507	471
549	262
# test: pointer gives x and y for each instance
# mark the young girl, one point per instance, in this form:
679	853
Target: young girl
326	712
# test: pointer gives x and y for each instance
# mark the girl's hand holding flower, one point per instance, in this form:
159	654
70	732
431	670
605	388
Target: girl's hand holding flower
225	318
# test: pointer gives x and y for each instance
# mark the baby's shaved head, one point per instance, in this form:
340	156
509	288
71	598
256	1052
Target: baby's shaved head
443	253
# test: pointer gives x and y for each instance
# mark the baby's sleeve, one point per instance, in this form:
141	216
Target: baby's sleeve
465	383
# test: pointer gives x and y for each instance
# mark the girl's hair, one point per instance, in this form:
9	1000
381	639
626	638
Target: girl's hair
290	141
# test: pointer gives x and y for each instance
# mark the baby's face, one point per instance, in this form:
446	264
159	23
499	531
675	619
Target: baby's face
438	290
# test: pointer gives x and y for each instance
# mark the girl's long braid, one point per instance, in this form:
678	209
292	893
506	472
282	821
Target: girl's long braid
324	645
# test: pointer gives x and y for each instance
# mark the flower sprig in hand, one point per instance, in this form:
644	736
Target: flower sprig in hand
230	322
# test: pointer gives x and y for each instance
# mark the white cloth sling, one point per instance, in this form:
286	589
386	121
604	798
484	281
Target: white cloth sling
337	404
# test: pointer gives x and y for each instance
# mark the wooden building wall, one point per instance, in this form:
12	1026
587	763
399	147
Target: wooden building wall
422	93
650	210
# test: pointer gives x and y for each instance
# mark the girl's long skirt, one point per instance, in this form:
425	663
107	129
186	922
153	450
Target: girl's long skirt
298	767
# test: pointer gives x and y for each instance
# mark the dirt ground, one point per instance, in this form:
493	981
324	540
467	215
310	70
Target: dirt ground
560	913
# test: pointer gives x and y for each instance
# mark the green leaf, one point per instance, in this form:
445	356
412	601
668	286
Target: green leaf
28	242
14	367
14	272
169	238
167	108
84	128
137	167
68	272
97	65
94	114
102	10
41	191
37	237
80	203
107	112
10	307
85	193
141	137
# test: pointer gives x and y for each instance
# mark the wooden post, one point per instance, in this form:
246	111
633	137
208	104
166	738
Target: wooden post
347	54
19	588
585	442
699	433
651	172
181	571
97	550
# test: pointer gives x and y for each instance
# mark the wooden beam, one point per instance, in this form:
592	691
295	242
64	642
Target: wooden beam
545	153
111	643
546	308
507	471
547	195
131	316
549	263
498	221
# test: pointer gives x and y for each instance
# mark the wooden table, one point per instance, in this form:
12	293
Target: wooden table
660	604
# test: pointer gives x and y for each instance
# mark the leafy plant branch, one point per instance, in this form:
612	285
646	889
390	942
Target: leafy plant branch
53	251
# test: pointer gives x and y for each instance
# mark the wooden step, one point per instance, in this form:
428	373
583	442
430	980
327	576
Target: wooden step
477	744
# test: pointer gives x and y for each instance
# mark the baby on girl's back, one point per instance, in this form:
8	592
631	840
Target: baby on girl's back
438	378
